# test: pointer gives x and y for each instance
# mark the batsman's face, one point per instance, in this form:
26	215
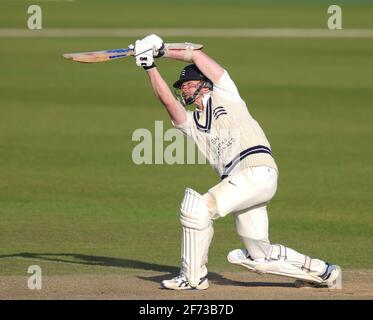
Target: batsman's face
189	87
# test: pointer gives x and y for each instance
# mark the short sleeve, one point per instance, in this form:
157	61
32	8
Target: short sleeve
226	87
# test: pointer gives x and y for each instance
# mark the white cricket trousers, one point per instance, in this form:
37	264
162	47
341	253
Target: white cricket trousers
246	195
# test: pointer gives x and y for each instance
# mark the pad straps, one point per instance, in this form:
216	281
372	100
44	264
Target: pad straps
277	252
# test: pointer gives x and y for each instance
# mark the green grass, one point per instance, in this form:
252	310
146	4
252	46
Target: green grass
71	199
191	14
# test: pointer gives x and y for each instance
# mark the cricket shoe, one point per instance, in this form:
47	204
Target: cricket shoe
181	283
332	278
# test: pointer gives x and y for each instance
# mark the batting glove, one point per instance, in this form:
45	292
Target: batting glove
157	43
144	54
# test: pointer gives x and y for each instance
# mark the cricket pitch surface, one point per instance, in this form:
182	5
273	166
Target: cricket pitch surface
357	284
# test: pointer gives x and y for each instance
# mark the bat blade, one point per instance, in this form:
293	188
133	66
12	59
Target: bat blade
99	56
107	55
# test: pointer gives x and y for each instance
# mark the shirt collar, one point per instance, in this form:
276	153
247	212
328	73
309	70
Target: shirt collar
205	98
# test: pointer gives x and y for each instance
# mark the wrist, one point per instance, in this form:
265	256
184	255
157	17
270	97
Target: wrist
161	51
150	67
188	54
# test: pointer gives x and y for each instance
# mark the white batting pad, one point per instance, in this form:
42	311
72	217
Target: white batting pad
194	213
194	249
197	233
277	267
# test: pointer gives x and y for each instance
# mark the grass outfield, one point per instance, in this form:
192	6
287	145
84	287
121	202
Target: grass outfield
191	14
71	199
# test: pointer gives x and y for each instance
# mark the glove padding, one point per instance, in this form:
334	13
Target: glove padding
157	43
144	53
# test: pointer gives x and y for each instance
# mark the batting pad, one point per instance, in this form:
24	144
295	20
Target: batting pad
194	213
194	253
197	232
277	267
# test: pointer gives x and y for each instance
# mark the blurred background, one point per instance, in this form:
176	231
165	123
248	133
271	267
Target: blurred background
72	200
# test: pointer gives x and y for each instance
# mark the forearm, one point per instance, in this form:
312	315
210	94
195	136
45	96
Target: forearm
163	93
160	87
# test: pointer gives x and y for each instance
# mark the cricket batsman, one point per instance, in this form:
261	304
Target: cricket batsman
236	147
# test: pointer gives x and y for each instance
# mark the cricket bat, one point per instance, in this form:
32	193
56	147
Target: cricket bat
107	55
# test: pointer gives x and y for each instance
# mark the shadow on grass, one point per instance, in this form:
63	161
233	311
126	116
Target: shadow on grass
83	259
171	271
